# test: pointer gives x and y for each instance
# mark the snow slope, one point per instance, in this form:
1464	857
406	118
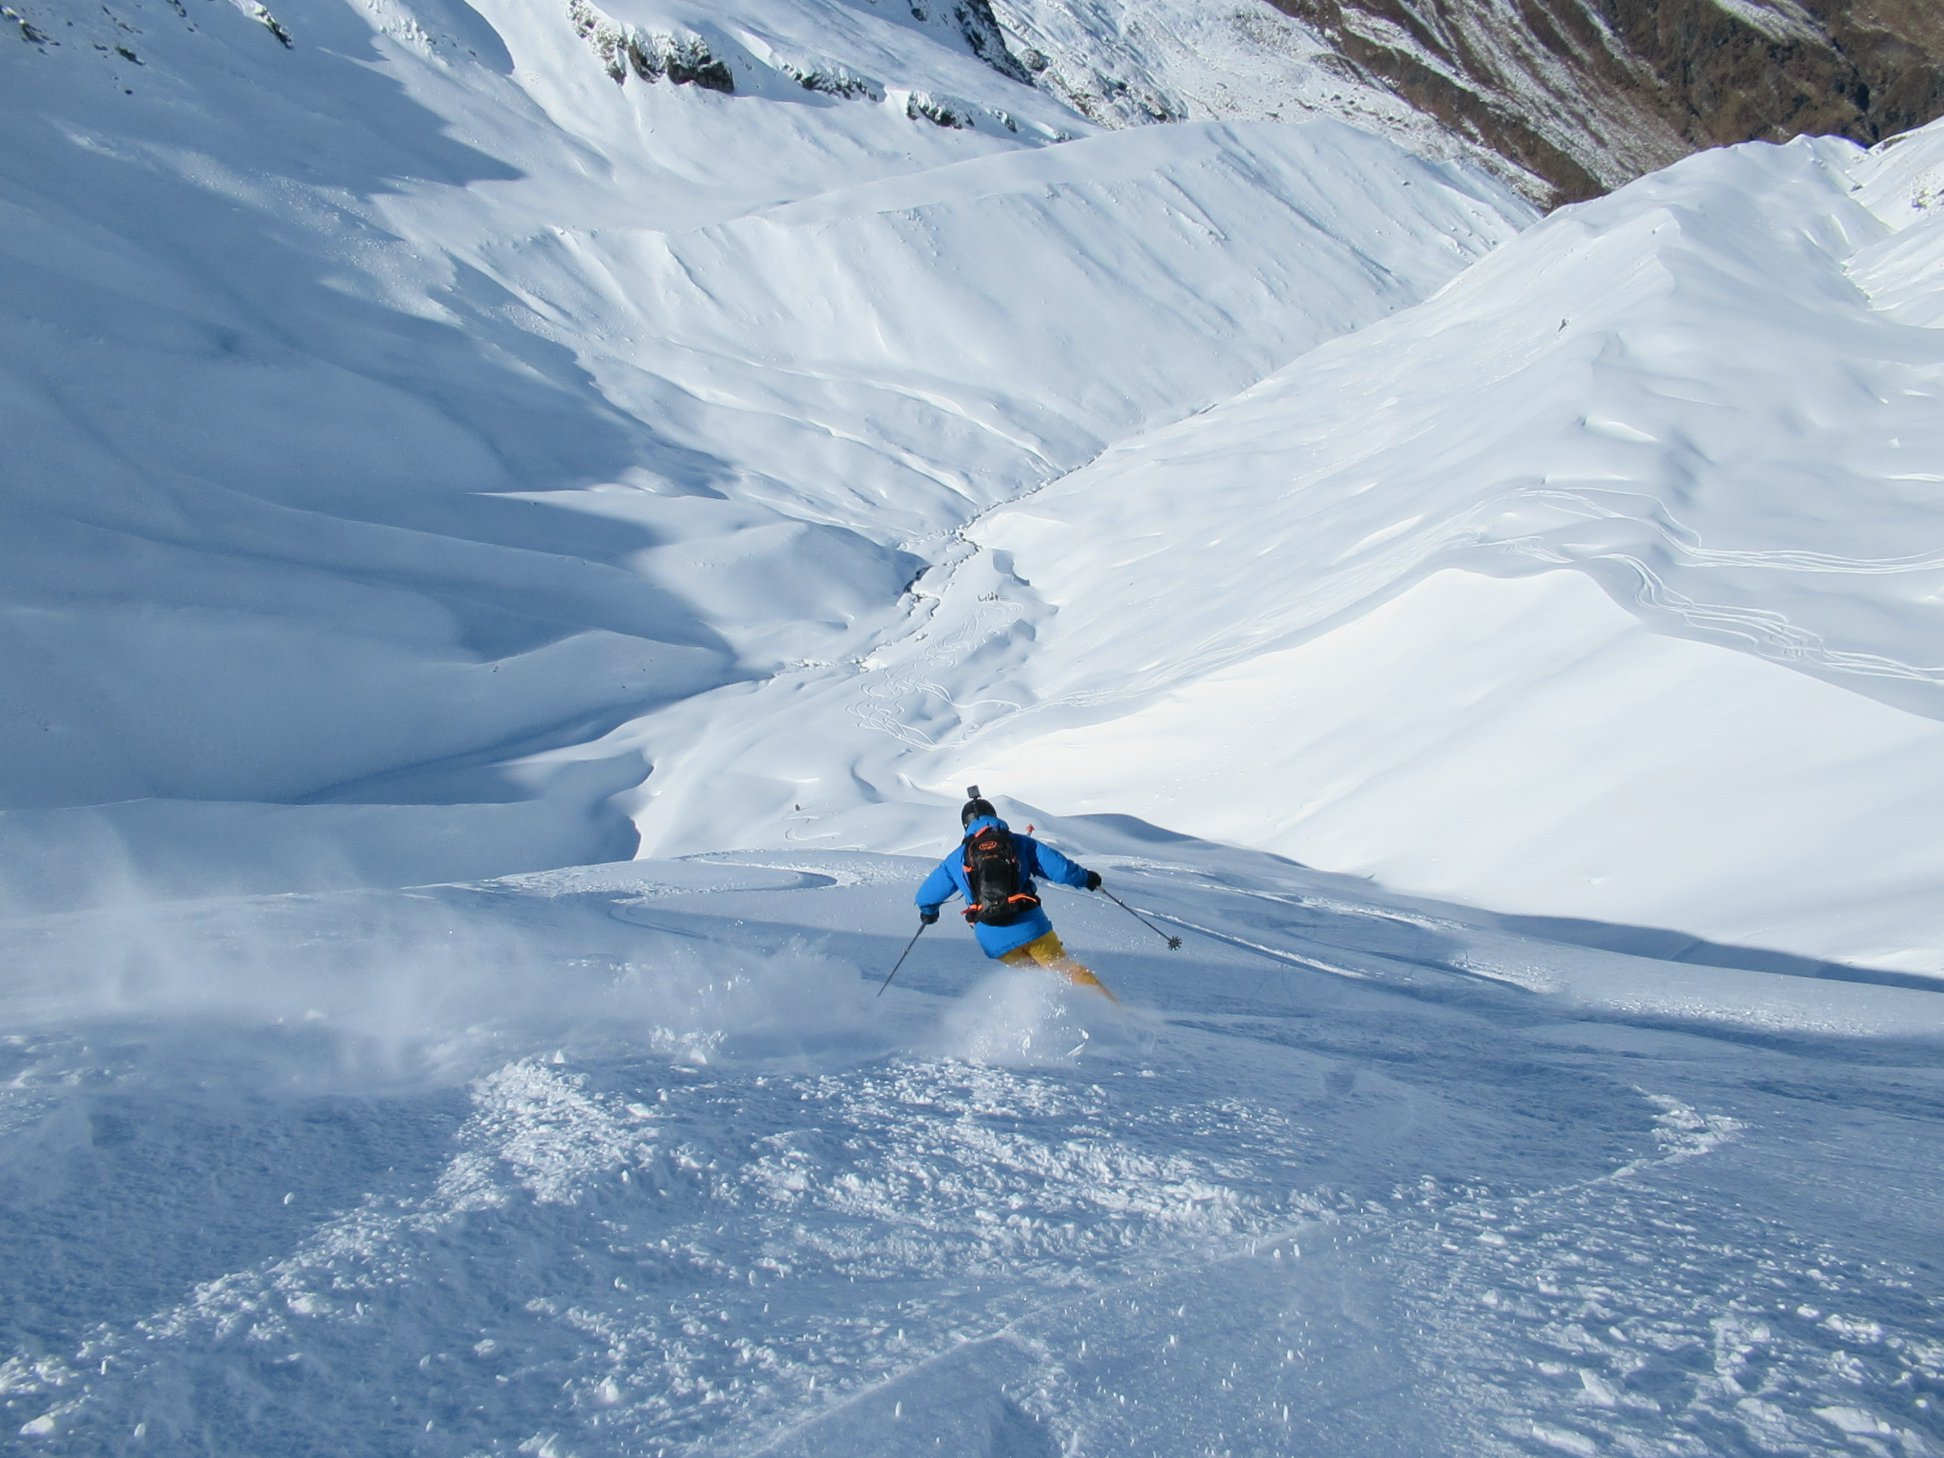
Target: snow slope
402	417
430	458
1198	59
551	467
1605	584
633	1159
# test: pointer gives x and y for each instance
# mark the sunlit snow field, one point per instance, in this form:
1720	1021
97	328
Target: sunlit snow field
505	572
635	1160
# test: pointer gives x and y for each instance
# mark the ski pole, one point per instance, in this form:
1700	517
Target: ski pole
1174	943
901	956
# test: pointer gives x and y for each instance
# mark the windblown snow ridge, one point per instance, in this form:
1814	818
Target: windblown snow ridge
1607	582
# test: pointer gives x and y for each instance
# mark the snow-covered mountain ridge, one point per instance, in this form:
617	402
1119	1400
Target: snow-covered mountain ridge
522	403
1562	100
1567	99
538	476
1716	397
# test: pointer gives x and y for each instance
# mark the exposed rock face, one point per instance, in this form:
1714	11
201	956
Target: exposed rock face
686	60
1587	94
1564	98
983	37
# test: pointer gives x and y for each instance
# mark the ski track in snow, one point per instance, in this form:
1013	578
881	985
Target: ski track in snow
1765	632
736	1203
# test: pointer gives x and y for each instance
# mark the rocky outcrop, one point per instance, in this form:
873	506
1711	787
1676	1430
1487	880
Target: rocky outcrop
983	37
1588	94
684	59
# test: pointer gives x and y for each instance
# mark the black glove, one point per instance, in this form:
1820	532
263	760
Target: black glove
1093	880
928	917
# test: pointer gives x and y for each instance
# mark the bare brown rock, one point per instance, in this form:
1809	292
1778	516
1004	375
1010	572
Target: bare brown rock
1588	94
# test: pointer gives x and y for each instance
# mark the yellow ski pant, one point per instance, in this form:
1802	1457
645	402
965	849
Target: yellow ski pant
1047	952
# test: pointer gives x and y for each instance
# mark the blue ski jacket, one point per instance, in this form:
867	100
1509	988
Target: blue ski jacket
948	880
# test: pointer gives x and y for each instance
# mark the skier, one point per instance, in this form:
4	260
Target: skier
993	869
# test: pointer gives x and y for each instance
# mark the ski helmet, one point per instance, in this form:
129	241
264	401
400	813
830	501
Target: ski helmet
975	806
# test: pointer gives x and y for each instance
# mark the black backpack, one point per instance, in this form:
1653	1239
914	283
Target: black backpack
999	888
